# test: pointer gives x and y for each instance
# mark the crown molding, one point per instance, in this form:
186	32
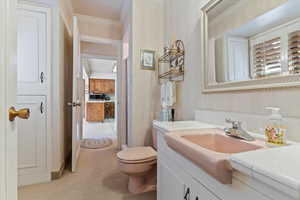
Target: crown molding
99	40
97	20
66	12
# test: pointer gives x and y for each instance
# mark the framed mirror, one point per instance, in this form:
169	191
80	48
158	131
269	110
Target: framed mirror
250	44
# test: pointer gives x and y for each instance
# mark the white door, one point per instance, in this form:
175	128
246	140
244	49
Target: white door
8	80
32	142
78	95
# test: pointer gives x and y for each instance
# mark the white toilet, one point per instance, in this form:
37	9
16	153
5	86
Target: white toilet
139	163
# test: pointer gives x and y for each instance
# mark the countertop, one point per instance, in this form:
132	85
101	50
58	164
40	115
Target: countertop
100	101
167	126
277	167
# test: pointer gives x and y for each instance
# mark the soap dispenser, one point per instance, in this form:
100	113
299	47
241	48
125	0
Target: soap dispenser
275	130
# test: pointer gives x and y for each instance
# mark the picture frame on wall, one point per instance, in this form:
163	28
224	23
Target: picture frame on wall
148	59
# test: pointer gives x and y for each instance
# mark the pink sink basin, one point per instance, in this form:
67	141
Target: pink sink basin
210	150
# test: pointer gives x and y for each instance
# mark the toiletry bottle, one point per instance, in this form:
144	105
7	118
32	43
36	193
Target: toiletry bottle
275	130
172	114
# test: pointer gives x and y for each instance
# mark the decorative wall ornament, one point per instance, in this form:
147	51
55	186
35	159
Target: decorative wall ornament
148	59
171	64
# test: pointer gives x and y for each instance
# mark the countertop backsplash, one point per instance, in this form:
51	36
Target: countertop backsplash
251	122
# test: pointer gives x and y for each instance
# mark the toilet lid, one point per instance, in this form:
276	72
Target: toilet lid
137	154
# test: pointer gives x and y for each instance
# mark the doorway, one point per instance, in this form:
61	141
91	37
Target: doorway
99	123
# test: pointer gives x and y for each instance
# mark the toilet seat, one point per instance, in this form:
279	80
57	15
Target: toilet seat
137	155
138	161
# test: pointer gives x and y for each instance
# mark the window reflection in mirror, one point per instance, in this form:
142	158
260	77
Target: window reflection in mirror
253	39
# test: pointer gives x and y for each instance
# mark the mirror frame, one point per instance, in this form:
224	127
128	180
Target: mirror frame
209	86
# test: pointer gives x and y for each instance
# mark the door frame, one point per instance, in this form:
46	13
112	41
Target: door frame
118	58
8	88
77	110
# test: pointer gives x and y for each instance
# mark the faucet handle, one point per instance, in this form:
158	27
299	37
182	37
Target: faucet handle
235	124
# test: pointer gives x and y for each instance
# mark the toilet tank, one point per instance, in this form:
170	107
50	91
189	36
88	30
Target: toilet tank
154	138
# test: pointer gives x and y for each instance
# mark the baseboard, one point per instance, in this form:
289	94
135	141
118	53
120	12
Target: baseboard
36	178
57	174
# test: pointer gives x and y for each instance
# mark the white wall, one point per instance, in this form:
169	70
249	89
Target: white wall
99	28
147	33
182	20
104	50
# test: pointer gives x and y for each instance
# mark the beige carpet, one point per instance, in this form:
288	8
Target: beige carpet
97	178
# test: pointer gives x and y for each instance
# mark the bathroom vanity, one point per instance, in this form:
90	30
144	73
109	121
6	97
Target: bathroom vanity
254	177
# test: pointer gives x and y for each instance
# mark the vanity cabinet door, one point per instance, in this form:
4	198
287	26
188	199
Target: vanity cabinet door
199	192
110	86
92	85
95	112
170	186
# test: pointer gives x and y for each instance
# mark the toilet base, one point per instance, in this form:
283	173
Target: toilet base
142	184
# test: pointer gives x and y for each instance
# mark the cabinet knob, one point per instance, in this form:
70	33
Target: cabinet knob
187	194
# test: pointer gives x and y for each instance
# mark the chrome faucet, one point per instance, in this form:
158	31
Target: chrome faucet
237	131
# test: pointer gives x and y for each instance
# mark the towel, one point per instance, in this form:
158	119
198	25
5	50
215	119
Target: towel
163	95
170	93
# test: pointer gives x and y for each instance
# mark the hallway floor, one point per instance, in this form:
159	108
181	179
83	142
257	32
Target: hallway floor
98	130
97	178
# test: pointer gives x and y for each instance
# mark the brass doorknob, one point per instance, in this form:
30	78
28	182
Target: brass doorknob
23	113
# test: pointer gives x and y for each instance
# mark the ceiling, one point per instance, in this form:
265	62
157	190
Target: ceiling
101	66
108	9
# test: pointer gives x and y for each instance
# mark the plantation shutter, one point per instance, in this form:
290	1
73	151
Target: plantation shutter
267	58
294	52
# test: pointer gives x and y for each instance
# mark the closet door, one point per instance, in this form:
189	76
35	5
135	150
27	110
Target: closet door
32	142
33	52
